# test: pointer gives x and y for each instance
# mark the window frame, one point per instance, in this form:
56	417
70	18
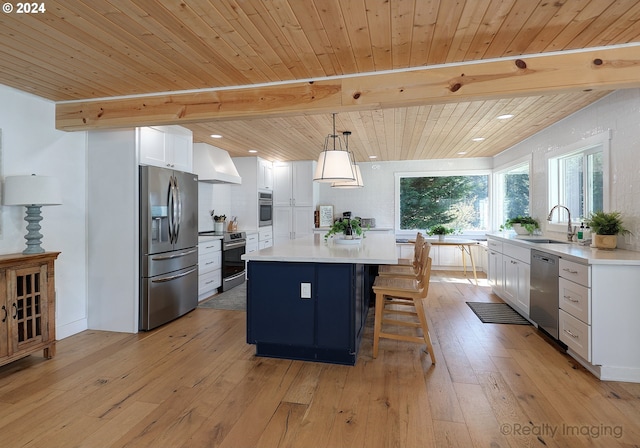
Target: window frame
444	173
584	147
497	190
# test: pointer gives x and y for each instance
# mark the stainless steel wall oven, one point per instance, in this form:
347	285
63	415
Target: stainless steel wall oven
265	208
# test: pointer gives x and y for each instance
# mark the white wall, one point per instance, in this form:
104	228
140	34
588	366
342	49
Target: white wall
31	144
212	197
619	112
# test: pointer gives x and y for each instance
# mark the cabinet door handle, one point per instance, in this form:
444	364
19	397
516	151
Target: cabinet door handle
6	313
15	307
570	271
574	336
571	299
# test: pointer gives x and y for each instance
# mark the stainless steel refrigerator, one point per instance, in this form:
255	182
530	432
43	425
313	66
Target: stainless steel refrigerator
168	245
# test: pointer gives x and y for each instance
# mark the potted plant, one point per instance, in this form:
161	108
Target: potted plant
605	226
340	226
523	225
441	231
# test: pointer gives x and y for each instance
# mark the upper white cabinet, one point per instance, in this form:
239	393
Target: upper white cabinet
166	146
265	175
293	184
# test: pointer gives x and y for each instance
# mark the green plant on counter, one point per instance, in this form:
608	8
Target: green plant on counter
340	226
606	223
440	230
527	222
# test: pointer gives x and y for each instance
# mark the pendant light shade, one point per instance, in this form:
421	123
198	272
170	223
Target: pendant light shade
334	165
357	182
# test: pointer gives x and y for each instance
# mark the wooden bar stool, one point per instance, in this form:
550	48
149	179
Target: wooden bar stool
410	271
416	247
406	292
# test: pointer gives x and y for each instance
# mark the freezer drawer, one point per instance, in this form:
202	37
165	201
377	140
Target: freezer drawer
168	296
158	264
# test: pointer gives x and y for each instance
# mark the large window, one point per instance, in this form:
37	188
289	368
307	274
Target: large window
578	178
459	202
512	192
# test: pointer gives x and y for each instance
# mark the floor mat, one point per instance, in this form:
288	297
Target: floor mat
233	299
497	313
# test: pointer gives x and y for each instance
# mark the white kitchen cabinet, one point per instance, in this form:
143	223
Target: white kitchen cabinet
166	146
495	266
293	184
508	272
252	242
290	223
295	197
265	237
265	174
209	268
516	272
516	283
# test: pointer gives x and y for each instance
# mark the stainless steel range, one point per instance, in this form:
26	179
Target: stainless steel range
233	266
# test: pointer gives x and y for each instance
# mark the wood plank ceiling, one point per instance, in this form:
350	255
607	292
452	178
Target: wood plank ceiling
88	49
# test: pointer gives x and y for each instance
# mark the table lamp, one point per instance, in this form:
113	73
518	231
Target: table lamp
33	192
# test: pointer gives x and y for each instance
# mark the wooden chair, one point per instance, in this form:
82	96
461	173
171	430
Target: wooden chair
405	292
410	271
416	254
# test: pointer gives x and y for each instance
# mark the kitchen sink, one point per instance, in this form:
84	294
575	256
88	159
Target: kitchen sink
544	241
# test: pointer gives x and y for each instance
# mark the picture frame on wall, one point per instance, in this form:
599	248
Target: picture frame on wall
326	215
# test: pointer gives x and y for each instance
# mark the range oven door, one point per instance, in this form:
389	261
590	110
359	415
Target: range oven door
233	266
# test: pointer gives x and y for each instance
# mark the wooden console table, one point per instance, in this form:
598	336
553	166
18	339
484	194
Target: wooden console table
465	248
27	305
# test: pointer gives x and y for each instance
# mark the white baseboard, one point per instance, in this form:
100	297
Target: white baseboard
64	331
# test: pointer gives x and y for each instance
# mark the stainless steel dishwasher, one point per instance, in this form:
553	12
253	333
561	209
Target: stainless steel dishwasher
543	305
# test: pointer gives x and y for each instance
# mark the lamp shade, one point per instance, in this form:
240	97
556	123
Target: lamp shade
32	190
357	183
334	166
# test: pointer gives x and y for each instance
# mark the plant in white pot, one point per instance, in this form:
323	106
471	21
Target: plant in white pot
523	225
441	231
605	227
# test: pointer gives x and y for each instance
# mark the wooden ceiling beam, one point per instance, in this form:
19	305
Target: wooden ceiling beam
598	69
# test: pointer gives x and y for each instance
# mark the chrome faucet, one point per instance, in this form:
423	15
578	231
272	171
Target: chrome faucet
571	231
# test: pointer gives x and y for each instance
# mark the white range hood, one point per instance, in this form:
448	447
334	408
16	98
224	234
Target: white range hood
214	165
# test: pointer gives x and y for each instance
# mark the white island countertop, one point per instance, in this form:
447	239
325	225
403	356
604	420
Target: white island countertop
374	249
574	251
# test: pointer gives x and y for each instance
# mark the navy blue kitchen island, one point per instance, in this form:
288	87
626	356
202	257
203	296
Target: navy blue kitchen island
308	299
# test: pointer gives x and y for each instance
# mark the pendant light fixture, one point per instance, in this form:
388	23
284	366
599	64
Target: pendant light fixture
334	165
357	183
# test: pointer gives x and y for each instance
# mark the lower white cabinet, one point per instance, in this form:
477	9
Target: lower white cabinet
252	242
209	268
265	237
508	272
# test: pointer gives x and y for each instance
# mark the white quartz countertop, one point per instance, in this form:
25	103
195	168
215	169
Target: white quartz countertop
374	249
204	238
573	251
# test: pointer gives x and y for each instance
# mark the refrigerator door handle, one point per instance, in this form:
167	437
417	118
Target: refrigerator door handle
178	208
170	209
172	256
172	277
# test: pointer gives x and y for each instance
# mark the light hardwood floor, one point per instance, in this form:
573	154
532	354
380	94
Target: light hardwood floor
196	383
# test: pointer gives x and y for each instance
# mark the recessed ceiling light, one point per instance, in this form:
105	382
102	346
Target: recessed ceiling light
461	153
505	116
253	151
373	157
478	139
215	136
